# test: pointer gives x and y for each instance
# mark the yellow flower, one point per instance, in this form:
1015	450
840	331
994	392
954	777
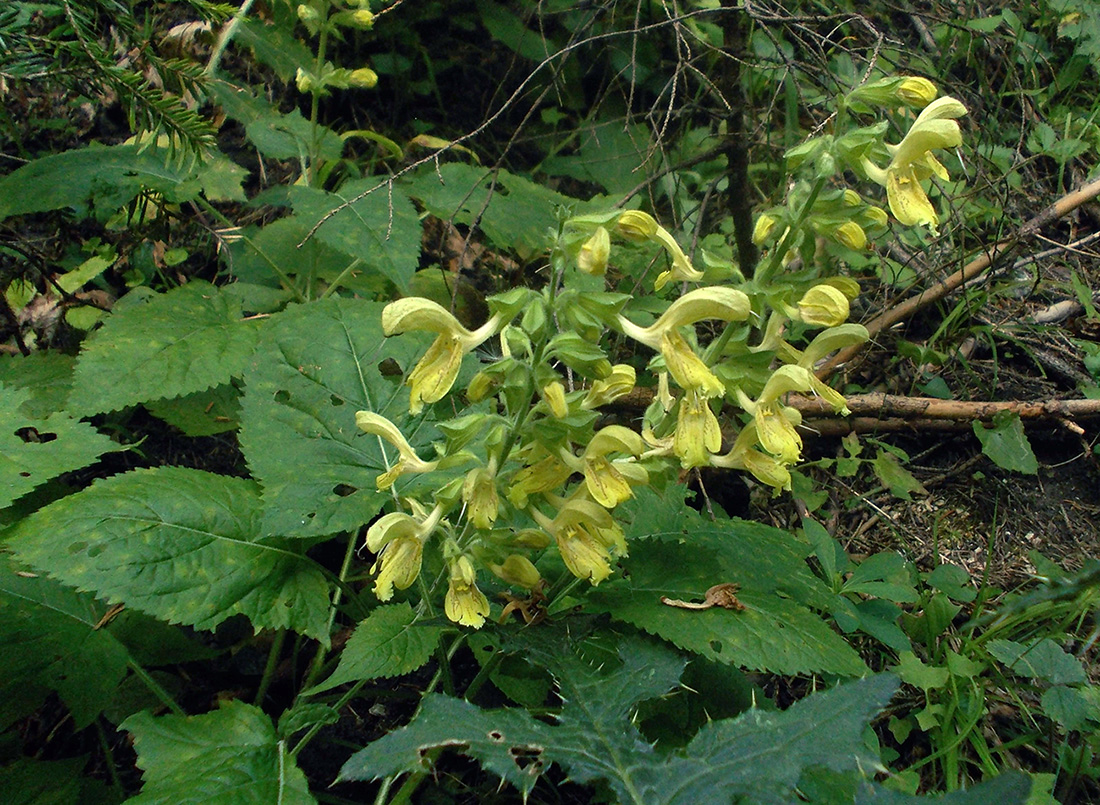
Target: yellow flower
553	394
617	384
398	540
542	475
636	225
595	252
916	91
364	78
409	461
697	432
744	456
823	306
686	368
609	482
465	604
434	375
587	538
851	234
912	161
479	491
764	225
518	571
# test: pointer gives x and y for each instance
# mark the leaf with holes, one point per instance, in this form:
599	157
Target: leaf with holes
760	755
179	544
230	756
316	366
33	450
187	340
388	643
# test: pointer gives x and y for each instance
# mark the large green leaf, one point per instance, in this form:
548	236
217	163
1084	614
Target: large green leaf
759	755
677	554
1006	444
382	228
180	544
388	643
316	365
48	376
49	640
1010	788
187	340
109	177
53	782
34	450
230	757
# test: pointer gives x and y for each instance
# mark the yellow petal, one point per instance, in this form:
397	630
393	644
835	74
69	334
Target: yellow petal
595	252
698	434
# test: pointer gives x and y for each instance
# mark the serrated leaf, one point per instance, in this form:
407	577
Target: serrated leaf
49	641
1039	659
383	228
901	483
231	756
32	451
109	177
317	365
181	342
179	544
203	413
759	755
387	643
1010	788
1006	445
48	376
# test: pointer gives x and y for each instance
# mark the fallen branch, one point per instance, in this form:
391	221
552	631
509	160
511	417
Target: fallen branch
903	310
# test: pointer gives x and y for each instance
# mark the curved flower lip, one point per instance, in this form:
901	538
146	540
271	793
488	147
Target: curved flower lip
587	538
464	603
911	160
682	268
617	384
823	306
378	425
435	373
398	525
698	433
744	456
609	482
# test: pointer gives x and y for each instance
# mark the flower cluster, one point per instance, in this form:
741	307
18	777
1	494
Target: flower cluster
528	480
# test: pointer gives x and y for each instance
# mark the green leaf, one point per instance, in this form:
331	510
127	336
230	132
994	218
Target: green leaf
1039	659
274	46
1006	445
48	376
204	413
49	640
231	757
32	451
759	755
184	341
895	477
288	136
383	228
1069	707
1010	788
53	782
916	673
316	366
388	643
179	544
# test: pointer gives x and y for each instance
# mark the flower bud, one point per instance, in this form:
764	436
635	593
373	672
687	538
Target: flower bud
533	538
595	252
304	80
876	216
553	394
363	18
851	234
364	78
307	13
518	571
851	198
764	225
481	386
823	306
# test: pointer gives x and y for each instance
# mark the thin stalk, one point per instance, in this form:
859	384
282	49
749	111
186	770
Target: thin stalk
270	666
340	278
156	688
482	677
337	595
776	256
112	770
226	36
315	106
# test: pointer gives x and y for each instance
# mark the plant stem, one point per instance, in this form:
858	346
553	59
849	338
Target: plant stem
156	688
337	595
270	666
226	36
109	756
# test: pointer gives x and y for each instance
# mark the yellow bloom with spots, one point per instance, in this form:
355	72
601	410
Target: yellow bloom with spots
545	473
609	481
464	603
697	434
744	456
433	376
398	540
479	492
587	538
617	384
912	161
408	460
